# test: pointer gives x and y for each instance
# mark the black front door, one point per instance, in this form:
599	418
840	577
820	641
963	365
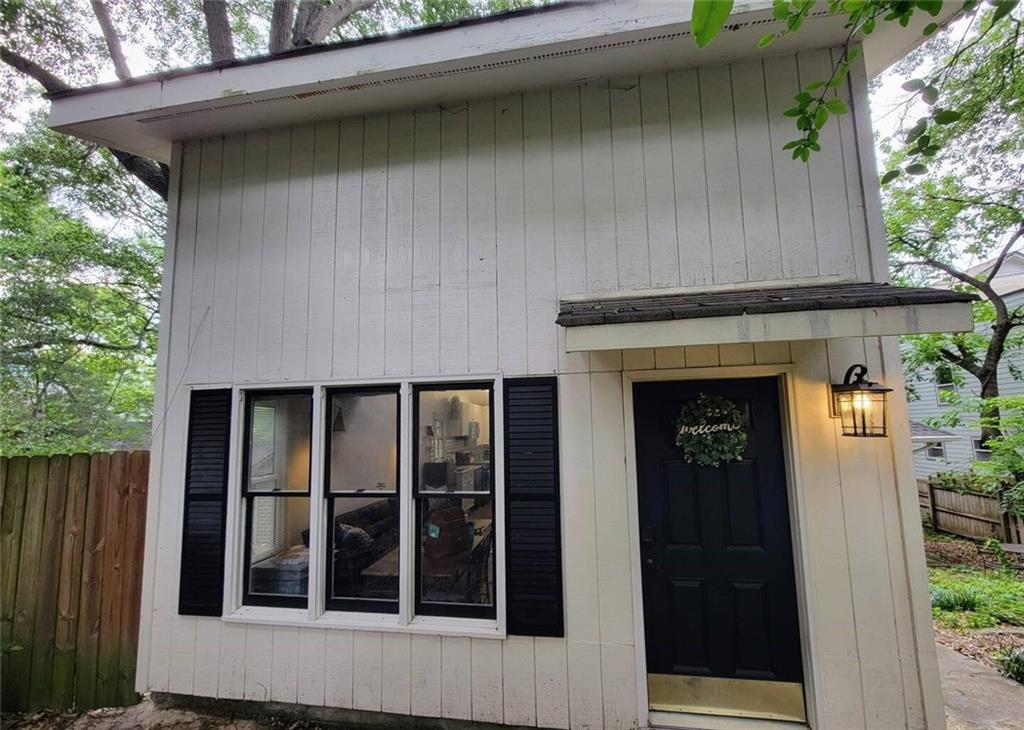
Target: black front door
718	579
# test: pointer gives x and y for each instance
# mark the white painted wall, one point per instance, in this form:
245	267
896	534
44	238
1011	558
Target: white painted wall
438	242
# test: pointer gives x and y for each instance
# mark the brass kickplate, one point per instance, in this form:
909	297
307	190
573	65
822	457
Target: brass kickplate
735	697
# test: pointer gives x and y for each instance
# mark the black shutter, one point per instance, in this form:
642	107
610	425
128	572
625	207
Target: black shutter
533	549
206	484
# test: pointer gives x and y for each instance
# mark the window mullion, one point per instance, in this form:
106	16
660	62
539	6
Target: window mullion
406	523
317	510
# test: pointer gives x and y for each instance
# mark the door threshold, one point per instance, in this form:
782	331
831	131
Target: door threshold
694	721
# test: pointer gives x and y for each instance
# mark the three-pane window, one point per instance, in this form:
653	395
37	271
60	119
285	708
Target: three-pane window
450	503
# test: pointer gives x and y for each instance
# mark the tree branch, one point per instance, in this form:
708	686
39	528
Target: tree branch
76	341
1003	254
315	20
218	30
281	25
154	175
33	70
99	9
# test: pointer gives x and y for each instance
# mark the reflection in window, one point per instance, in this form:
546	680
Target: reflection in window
279	442
279	546
454	449
277	469
455	558
364	550
456	563
364	441
362	494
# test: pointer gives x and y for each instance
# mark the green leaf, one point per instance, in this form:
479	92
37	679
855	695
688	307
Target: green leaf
913	85
814	85
850	6
889	177
932	7
793	112
930	94
708	19
791	145
804	98
917	130
820	117
869	27
916	169
930	28
766	40
836	105
780	9
946	116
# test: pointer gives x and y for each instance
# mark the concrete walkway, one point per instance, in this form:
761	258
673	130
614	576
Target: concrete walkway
977	697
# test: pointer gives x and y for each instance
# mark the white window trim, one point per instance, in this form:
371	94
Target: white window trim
935	444
978	448
315	615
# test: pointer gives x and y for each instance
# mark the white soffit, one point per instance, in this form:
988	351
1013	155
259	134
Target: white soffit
774	327
517	52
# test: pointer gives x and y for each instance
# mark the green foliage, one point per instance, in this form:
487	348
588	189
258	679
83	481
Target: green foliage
968	599
819	99
708	19
1011	663
78	305
955	599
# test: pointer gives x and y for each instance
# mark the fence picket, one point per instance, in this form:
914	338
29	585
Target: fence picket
134	538
92	570
111	575
12	521
49	574
62	692
19	663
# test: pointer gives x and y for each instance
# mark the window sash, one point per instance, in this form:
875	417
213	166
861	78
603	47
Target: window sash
431	608
249	497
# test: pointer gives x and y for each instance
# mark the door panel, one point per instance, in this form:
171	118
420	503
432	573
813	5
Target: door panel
717	561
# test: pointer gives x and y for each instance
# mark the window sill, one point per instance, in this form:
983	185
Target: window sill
431	625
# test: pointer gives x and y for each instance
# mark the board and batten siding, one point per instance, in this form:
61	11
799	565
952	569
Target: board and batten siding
438	242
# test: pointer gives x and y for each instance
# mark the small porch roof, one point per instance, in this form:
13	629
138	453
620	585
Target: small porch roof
922	433
859	309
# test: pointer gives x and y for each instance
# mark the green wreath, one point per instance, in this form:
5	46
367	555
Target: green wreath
711	430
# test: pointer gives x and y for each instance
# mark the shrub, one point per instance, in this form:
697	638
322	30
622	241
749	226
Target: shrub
955	599
1011	663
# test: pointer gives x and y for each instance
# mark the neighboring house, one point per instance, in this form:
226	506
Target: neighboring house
433	304
928	400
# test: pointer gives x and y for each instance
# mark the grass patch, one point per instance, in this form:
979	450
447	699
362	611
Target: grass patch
974	599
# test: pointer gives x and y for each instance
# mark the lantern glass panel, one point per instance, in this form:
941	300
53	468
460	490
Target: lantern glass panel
861	412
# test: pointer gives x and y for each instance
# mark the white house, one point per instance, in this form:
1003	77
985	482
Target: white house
437	309
954	448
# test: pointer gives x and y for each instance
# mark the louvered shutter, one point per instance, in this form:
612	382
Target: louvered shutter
206	482
533	551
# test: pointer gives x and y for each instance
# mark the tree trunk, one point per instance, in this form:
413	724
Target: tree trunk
218	30
281	26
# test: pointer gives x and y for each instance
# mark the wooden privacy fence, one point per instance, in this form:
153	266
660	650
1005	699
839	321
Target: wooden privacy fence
72	530
970	514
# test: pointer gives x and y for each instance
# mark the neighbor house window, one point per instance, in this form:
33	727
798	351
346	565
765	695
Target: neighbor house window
981	452
945	384
276	470
454	500
361	485
936	450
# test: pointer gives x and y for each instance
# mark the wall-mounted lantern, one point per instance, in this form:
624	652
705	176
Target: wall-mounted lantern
860	404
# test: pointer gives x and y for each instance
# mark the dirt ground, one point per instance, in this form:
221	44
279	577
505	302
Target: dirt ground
144	716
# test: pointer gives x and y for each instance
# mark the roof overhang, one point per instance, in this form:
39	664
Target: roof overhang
516	51
762	315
